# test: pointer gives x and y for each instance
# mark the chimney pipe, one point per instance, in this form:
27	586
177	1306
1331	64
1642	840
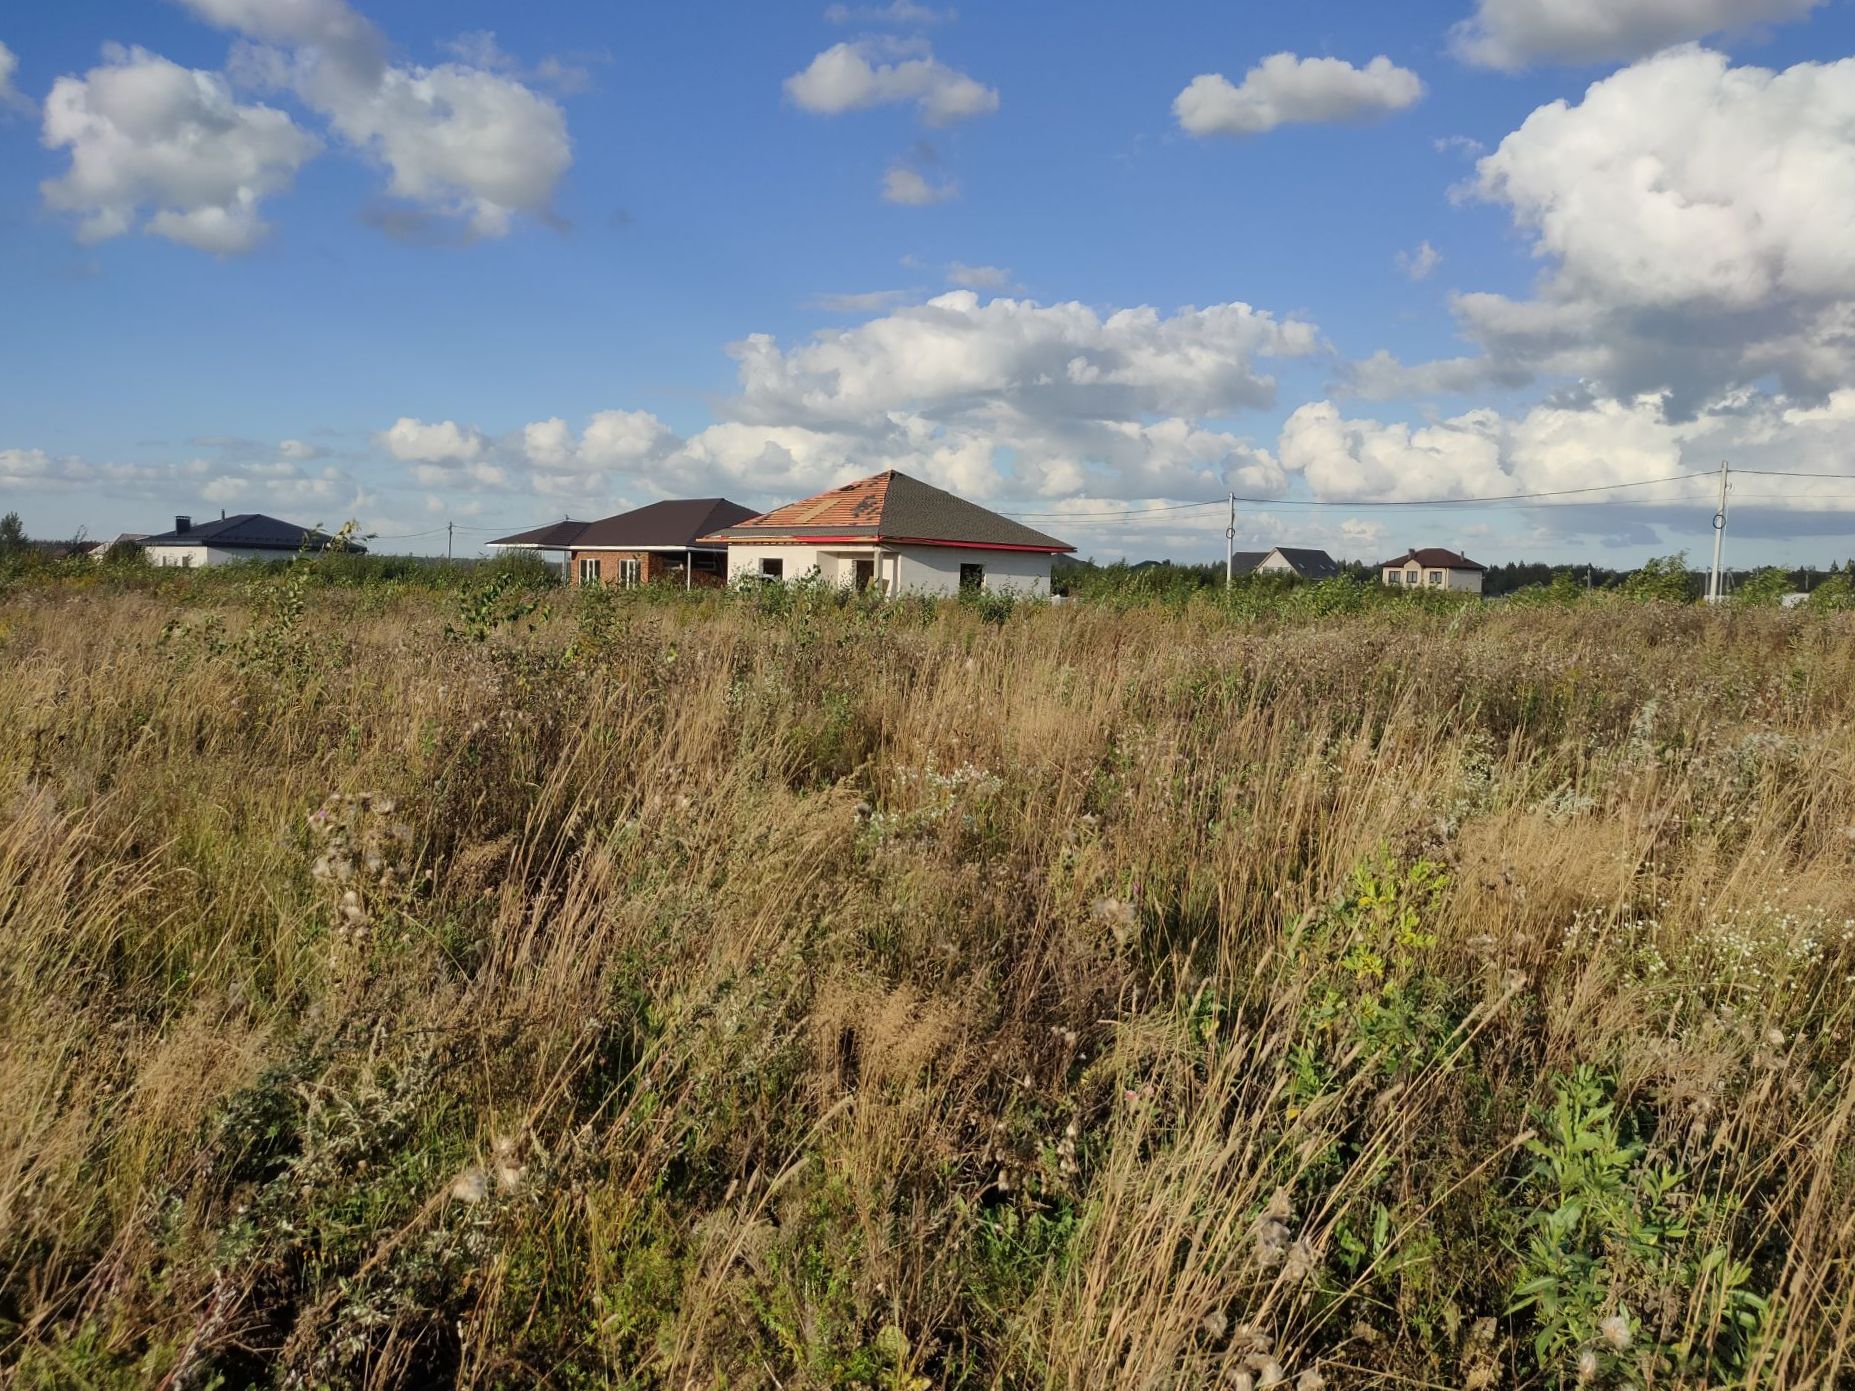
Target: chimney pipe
183	524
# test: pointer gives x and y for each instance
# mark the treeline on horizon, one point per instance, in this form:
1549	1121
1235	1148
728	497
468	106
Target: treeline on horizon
1665	577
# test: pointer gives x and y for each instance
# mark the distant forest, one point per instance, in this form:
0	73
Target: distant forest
1500	579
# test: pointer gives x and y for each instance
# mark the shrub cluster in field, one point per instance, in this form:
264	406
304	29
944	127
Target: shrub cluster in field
505	985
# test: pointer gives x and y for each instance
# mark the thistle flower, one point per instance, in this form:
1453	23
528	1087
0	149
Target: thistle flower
471	1186
1214	1324
1299	1263
1616	1331
1119	916
1310	1380
1272	1230
509	1169
1587	1366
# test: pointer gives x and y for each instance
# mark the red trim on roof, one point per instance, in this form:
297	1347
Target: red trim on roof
973	545
887	541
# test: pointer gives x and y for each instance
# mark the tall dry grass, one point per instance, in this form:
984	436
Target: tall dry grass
721	994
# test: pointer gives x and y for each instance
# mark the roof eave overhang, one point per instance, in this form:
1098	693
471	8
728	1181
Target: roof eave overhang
656	546
784	539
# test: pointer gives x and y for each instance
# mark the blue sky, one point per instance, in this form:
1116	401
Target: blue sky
463	262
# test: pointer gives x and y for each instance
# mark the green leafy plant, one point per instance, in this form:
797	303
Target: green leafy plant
1611	1233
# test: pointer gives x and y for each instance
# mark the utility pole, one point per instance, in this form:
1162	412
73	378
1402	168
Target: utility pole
449	528
1715	589
1230	546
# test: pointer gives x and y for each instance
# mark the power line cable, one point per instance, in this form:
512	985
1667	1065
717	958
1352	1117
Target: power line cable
1323	502
402	536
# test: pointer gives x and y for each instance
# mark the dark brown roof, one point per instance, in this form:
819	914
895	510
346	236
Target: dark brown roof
674	524
680	522
890	507
1434	558
555	536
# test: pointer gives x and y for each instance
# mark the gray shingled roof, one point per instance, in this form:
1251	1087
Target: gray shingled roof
251	531
1310	564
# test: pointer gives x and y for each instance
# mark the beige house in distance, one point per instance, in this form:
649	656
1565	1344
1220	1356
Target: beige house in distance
1432	567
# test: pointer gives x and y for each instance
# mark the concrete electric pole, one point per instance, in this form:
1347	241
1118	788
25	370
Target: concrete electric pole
1230	546
1716	589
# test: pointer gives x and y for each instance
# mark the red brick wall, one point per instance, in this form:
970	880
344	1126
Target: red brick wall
655	567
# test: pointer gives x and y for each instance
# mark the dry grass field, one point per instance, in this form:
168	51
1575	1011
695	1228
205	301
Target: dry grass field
405	989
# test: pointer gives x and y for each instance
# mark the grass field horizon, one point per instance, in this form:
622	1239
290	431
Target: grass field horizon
488	984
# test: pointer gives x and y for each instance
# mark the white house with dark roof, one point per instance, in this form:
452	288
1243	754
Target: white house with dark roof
1300	561
248	536
895	533
1432	567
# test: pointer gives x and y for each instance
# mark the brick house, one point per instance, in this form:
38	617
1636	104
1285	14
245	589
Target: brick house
659	543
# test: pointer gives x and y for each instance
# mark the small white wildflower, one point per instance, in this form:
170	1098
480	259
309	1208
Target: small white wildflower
1587	1366
1616	1331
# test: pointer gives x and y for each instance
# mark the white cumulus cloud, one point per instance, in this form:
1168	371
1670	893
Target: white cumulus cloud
1001	399
11	98
1285	89
1694	217
855	77
956	352
456	139
168	149
913	189
443	442
1420	264
978	277
1691	218
1514	34
895	12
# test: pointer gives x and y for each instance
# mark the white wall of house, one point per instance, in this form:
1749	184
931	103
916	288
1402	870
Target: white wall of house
902	569
199	556
936	570
1421	577
796	562
1274	564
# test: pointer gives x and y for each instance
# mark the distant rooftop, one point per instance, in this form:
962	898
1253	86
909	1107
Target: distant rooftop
248	531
